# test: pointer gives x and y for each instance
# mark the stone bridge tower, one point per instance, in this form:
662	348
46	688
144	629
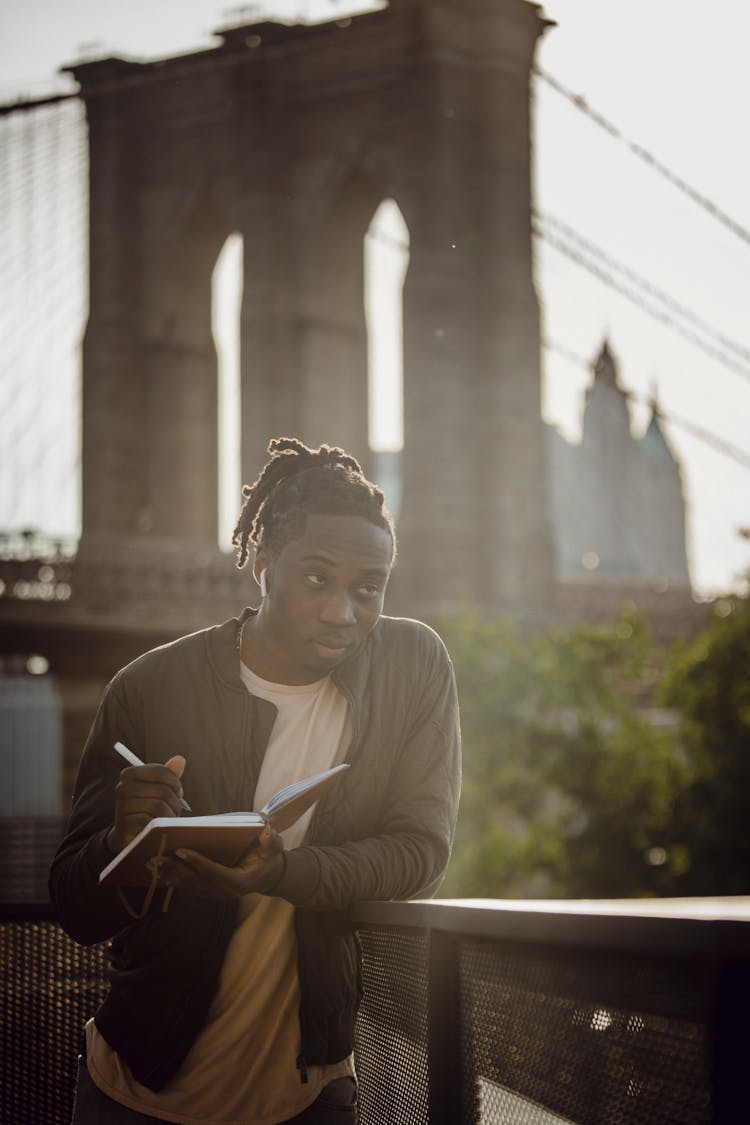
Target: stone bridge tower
293	136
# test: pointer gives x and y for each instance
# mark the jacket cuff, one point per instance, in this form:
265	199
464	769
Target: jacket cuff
301	876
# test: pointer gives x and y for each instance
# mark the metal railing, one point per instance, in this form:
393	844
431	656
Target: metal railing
539	1013
473	1012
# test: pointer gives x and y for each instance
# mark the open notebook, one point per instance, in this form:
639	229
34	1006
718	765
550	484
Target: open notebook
223	837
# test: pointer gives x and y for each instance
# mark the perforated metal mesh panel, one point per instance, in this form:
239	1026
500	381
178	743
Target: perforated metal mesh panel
27	845
533	1036
591	1039
392	1028
50	987
494	1103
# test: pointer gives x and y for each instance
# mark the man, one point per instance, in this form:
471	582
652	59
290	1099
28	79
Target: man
233	993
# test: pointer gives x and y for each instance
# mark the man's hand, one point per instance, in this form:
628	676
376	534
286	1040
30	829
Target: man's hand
260	869
142	793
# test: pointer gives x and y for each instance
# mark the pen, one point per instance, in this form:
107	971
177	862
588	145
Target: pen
132	760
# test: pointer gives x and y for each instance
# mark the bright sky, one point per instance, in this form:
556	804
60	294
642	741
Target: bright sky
672	77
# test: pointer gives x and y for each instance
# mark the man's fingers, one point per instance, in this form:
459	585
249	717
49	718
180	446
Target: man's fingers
204	867
149	783
142	793
176	765
184	878
148	807
195	860
154	774
198	875
270	842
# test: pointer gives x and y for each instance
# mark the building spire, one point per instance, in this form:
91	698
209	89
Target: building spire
654	440
604	367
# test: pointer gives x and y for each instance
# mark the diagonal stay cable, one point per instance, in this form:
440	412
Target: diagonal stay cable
637	299
647	157
642	283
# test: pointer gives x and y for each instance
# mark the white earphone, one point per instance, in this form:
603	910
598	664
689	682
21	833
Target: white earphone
262	583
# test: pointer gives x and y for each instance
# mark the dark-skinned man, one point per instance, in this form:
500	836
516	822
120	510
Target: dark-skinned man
233	995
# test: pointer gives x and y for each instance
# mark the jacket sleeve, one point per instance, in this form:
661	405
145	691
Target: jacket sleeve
86	911
408	856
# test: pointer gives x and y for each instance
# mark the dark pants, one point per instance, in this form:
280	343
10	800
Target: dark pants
335	1105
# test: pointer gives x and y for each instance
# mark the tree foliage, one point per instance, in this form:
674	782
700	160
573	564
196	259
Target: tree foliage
572	788
568	786
708	682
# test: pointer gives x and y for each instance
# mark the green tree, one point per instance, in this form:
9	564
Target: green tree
568	788
708	682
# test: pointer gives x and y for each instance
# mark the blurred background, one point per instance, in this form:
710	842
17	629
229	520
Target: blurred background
500	253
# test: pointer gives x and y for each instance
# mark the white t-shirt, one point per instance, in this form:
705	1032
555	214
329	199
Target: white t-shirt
312	732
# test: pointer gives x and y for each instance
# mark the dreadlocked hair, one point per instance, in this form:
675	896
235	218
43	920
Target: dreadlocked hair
297	482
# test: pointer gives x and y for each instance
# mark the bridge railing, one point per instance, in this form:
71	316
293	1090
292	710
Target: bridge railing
167	587
473	1012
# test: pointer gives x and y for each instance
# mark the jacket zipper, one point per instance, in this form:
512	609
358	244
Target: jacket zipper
302	1068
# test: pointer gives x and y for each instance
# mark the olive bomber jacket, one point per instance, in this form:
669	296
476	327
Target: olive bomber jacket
384	832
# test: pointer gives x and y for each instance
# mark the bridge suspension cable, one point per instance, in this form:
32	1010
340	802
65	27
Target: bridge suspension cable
639	291
703	201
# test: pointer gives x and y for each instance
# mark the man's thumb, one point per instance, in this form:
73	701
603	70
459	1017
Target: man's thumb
177	765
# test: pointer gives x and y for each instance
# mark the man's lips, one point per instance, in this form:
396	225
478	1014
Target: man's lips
332	644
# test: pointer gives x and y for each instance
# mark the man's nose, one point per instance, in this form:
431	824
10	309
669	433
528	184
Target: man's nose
338	609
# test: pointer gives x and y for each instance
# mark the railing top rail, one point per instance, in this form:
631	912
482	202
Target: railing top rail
709	928
736	908
716	927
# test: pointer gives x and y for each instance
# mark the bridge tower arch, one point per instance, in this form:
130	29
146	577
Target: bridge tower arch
292	136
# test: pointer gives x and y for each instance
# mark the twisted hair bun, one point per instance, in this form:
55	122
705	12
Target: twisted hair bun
298	481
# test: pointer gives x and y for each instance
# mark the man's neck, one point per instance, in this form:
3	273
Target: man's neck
261	655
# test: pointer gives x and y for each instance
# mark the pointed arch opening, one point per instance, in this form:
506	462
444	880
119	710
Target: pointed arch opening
386	261
226	307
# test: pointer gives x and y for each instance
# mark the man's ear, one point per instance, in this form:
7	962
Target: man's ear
261	563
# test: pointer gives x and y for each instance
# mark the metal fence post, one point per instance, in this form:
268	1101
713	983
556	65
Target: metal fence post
443	1043
730	1042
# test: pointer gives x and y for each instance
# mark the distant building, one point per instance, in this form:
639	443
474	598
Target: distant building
616	501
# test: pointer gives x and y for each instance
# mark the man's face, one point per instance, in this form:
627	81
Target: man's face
325	594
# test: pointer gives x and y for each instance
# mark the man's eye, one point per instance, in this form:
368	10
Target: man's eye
370	591
315	579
